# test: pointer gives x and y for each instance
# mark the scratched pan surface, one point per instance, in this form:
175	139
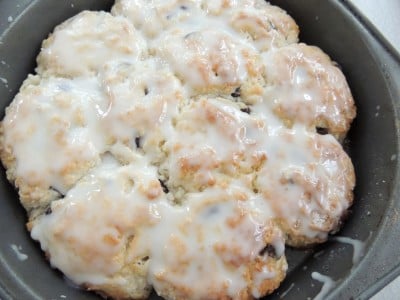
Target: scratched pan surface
373	73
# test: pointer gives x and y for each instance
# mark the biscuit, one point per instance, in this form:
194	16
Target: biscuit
50	136
305	86
311	187
80	45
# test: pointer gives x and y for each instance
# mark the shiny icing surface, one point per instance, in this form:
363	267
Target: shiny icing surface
172	142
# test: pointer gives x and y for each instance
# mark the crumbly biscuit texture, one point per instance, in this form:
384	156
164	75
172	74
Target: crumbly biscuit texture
82	44
179	145
51	136
305	86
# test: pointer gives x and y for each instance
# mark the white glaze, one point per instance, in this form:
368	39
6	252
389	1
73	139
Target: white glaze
358	247
83	43
18	252
327	285
202	56
59	119
117	204
305	86
201	230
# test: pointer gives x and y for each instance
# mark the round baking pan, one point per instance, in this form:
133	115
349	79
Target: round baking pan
373	72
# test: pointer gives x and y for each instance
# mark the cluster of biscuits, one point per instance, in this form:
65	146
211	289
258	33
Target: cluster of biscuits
179	145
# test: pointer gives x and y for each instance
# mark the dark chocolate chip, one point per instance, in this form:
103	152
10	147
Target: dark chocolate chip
48	211
236	93
183	7
273	27
322	130
57	191
269	250
137	142
246	110
146	91
190	34
164	186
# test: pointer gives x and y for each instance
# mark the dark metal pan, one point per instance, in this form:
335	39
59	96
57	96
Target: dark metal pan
373	71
